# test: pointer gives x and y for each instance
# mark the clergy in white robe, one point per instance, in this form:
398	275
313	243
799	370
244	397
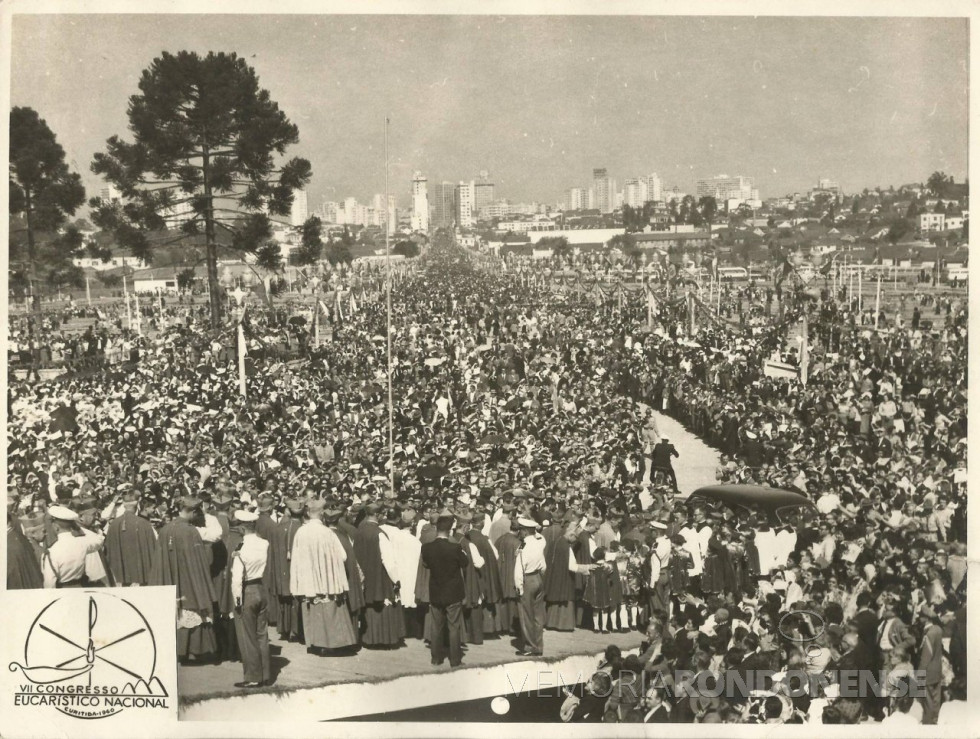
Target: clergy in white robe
318	577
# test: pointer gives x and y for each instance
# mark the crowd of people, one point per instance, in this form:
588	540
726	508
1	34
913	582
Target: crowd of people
524	433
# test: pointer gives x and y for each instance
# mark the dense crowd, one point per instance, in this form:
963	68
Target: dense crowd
515	405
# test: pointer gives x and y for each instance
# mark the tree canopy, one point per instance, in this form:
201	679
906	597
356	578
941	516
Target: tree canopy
558	245
44	192
204	154
938	183
406	248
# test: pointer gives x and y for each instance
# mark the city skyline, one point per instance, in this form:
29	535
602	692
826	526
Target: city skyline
687	98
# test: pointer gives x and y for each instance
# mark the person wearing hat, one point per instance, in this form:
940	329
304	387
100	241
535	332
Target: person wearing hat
225	506
930	664
445	561
529	572
96	568
180	559
64	562
289	625
318	580
384	625
129	543
661	461
251	601
23	567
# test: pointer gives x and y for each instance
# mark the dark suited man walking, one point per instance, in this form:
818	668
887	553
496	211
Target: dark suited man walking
661	460
446	562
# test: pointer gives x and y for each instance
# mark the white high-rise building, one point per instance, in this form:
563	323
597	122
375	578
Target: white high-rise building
724	188
577	198
300	209
605	191
634	192
349	212
465	204
384	216
179	214
328	212
420	203
650	188
109	194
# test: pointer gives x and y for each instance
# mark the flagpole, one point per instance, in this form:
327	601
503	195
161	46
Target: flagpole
860	288
316	324
129	316
878	302
391	410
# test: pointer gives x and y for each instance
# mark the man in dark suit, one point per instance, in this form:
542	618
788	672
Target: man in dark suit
661	460
866	620
446	562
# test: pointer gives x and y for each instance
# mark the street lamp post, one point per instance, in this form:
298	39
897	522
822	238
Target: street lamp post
239	296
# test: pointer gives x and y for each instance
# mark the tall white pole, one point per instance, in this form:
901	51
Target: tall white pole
129	315
860	288
877	302
88	291
239	296
241	350
316	323
139	314
391	409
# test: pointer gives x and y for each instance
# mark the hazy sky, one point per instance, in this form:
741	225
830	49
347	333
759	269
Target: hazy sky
539	101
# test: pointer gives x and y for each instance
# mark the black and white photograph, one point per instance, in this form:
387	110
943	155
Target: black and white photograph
428	366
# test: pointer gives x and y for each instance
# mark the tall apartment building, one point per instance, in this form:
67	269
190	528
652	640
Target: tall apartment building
179	214
465	202
380	216
443	205
650	188
576	198
483	195
420	203
329	212
109	194
604	189
724	188
470	198
633	193
300	209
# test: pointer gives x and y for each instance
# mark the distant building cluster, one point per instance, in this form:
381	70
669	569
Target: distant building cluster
352	213
604	196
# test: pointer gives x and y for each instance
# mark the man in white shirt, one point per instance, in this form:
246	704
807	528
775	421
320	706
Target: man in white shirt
64	563
251	602
96	570
823	550
529	572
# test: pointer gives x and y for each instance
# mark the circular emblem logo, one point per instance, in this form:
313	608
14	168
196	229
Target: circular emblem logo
91	654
